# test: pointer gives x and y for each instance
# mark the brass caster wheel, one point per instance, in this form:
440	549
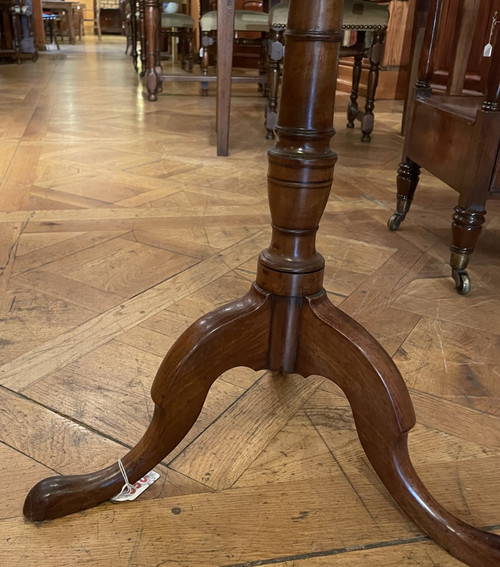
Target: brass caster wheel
366	138
350	124
462	281
395	221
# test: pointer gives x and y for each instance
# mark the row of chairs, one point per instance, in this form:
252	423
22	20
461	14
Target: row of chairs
365	26
454	135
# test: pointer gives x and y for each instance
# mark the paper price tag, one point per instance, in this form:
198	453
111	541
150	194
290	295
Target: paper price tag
488	48
132	491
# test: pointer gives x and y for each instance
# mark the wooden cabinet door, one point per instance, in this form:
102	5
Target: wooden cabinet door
477	65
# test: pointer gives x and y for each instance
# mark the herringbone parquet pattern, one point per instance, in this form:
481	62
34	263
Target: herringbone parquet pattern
118	228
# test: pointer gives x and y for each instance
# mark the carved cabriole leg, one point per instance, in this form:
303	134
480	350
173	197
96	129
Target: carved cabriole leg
465	230
376	54
151	20
407	181
236	334
383	415
275	56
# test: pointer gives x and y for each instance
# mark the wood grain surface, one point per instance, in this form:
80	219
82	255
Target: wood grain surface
118	227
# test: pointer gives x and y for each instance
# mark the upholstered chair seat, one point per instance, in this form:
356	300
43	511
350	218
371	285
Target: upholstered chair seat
364	24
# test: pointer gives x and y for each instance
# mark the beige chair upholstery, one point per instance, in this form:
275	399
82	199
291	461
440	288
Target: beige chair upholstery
176	21
180	27
364	24
244	20
357	15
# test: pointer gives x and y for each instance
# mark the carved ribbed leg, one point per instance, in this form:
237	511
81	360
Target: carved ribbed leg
275	56
465	230
188	38
142	35
133	32
407	181
151	28
262	84
156	48
206	42
376	54
352	107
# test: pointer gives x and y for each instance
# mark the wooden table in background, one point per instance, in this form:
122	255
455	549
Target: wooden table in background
63	7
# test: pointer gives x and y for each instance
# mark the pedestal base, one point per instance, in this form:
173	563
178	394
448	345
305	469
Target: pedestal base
239	334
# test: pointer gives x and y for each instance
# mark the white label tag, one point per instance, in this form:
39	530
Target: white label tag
136	489
488	48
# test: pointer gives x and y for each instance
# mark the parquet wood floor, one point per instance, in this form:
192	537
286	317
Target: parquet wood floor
118	228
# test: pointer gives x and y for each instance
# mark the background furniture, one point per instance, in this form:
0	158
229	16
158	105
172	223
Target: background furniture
16	31
94	17
110	16
245	21
365	24
455	134
223	79
52	29
286	322
135	26
177	28
65	10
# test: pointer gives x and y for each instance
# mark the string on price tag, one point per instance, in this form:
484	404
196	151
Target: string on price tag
132	491
488	48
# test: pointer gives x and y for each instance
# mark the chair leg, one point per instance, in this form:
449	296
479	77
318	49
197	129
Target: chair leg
186	49
275	57
206	41
262	85
182	48
98	26
142	37
150	25
157	45
465	230
190	50
376	53
407	181
352	107
133	32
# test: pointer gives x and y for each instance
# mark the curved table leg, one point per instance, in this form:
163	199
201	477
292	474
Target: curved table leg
335	346
234	335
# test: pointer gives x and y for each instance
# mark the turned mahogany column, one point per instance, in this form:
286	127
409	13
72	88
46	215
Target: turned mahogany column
286	321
